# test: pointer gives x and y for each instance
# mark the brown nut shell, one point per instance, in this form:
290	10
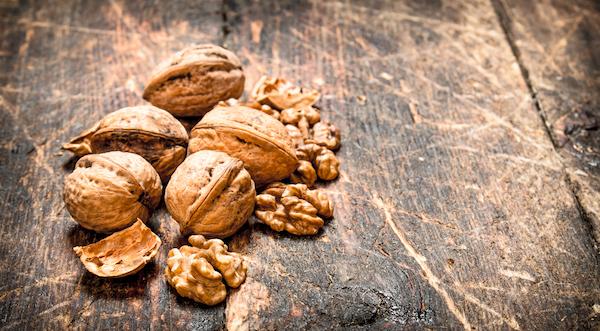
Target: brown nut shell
252	136
145	130
122	253
210	194
108	192
195	79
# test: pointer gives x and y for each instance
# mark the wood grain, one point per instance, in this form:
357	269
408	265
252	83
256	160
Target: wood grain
558	47
454	209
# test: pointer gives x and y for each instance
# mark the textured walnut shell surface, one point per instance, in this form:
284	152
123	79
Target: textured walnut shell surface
256	138
195	79
145	130
210	194
109	191
121	254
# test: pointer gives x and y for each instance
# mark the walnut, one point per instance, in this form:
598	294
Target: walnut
305	174
145	130
293	208
323	159
295	135
281	94
325	134
195	79
303	118
109	191
211	194
256	138
122	253
191	270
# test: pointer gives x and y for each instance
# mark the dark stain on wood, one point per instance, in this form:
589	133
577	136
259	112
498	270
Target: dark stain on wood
454	208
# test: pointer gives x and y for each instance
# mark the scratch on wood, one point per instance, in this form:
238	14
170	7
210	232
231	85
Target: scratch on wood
517	274
433	280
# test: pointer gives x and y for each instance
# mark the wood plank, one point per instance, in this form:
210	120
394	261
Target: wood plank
453	209
559	48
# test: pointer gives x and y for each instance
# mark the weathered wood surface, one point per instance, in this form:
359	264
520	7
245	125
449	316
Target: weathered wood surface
454	209
558	45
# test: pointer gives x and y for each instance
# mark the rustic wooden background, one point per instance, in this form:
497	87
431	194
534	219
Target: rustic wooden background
469	196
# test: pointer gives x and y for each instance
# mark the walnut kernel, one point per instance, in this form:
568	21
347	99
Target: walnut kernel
293	208
281	94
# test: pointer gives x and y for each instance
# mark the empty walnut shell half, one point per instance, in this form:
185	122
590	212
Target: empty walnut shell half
122	253
252	136
145	130
282	94
109	191
195	79
210	194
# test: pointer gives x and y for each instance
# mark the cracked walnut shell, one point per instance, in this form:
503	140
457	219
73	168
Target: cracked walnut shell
145	130
293	208
122	253
195	79
282	94
109	191
256	138
191	270
210	194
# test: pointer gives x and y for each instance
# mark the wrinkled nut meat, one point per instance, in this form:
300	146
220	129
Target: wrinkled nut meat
303	118
191	270
281	94
145	130
195	79
293	208
210	194
122	253
109	191
325	134
256	138
323	160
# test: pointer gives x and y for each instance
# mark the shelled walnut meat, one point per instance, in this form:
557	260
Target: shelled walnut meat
282	94
210	194
293	208
109	191
256	138
191	270
122	253
145	130
195	79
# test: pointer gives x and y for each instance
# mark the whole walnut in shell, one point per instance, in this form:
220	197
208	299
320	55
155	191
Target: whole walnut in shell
210	194
145	130
122	253
109	191
252	136
195	79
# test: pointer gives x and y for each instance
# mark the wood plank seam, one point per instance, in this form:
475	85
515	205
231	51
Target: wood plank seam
506	24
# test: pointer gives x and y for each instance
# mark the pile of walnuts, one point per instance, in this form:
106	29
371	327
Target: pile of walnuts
275	142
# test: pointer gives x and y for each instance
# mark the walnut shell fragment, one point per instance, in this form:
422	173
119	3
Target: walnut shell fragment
281	94
293	208
195	79
122	253
109	191
256	138
145	130
210	194
191	270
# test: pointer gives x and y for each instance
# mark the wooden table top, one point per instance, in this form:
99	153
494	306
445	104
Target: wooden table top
469	194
